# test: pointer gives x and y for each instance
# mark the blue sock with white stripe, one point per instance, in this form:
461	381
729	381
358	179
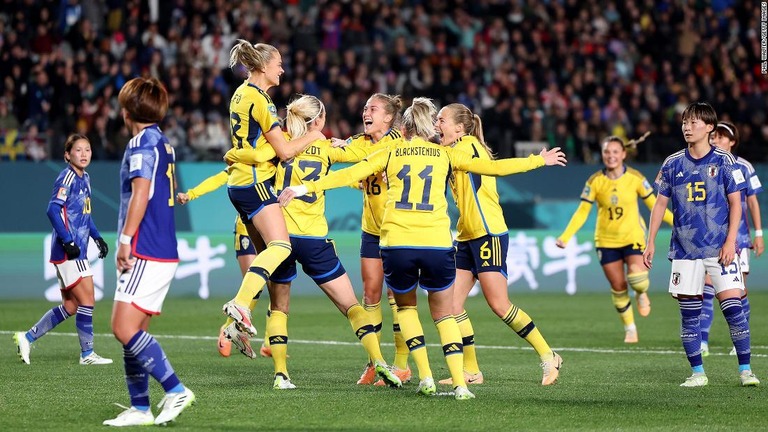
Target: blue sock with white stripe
707	312
84	324
137	380
745	307
154	361
739	330
690	331
47	322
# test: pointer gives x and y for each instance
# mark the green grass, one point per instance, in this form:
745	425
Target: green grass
604	384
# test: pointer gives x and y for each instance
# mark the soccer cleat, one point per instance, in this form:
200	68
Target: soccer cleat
387	375
241	315
748	379
643	304
94	359
403	374
462	393
224	344
22	346
173	404
369	375
733	351
131	417
469	378
240	340
427	387
551	369
698	379
704	349
282	382
630	336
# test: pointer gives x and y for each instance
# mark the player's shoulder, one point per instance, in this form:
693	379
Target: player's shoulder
635	174
725	157
673	158
595	176
393	134
745	163
66	176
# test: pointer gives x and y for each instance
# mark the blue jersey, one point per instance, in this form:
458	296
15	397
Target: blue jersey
743	239
698	189
150	156
73	194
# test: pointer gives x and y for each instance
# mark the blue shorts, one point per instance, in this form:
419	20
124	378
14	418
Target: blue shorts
609	255
405	269
250	200
317	257
485	254
369	246
243	246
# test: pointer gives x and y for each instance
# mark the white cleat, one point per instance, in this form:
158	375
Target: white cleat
462	393
131	417
698	379
241	315
748	379
94	359
282	383
427	387
22	346
240	340
173	404
551	369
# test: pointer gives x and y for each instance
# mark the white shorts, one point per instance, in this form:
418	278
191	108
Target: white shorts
71	272
146	285
744	259
688	276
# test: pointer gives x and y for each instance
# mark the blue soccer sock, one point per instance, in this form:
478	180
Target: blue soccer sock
153	360
47	322
739	330
745	307
137	380
84	324
707	312
690	331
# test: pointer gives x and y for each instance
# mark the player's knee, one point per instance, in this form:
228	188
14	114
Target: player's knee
639	281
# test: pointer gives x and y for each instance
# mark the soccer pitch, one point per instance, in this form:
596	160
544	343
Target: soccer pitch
604	384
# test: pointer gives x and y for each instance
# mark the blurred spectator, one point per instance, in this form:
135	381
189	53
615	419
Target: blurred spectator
35	145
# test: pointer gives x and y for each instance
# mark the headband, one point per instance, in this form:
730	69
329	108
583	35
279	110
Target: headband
726	127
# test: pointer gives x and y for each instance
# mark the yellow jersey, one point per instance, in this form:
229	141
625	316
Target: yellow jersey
305	216
416	210
251	114
618	215
374	186
476	197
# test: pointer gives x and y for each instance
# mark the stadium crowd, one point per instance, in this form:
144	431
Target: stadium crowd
564	72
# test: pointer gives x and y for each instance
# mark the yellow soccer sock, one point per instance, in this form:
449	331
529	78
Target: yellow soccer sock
450	338
521	323
258	272
401	349
266	329
623	307
639	281
413	334
374	313
277	327
364	330
468	340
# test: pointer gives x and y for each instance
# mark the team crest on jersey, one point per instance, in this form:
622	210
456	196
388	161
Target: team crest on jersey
675	278
712	170
614	200
244	242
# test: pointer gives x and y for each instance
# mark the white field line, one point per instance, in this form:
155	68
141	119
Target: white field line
649	350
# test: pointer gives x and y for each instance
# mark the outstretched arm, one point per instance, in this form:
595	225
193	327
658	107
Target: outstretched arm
657	214
754	211
464	162
650	201
576	222
208	185
289	149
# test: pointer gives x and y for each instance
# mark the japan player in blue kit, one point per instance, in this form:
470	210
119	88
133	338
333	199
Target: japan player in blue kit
146	255
704	185
69	211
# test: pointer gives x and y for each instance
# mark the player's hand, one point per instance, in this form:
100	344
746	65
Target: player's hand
553	157
338	142
290	193
727	253
182	198
559	243
103	247
72	250
648	255
124	260
758	245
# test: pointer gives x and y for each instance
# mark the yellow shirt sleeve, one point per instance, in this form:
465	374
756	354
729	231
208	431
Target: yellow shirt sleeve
344	177
576	222
650	201
465	162
353	153
208	185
